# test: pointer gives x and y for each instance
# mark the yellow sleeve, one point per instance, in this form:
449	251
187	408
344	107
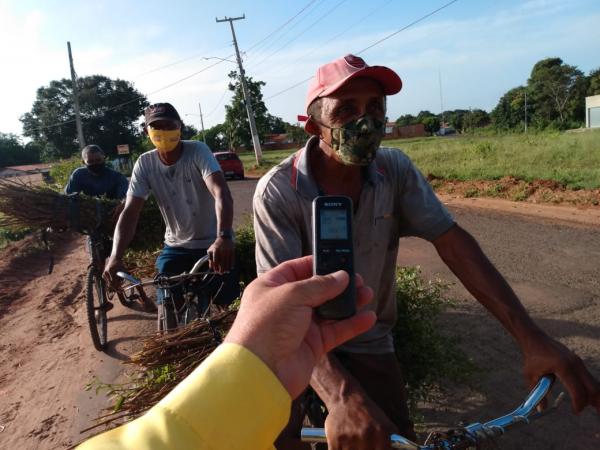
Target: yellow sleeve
231	401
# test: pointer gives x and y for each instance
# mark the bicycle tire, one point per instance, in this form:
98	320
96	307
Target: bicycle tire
166	318
96	314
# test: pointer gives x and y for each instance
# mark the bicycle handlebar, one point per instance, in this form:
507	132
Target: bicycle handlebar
475	432
195	271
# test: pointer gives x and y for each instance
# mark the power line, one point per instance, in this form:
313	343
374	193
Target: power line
301	33
313	7
198	55
218	103
120	105
174	63
289	88
333	38
407	26
372	45
280	27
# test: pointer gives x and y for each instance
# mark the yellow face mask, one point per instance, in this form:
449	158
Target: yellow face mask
164	140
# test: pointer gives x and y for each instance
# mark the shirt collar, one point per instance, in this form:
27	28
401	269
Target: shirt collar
302	178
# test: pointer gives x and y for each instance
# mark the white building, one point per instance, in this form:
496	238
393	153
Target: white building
592	111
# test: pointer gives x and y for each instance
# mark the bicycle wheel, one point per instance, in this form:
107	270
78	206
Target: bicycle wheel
96	309
166	317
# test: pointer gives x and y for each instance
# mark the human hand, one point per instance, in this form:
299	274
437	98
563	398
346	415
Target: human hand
544	355
276	320
222	253
358	424
112	266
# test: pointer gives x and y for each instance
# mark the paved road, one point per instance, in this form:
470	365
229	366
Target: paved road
554	269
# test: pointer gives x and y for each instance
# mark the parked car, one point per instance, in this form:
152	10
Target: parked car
230	164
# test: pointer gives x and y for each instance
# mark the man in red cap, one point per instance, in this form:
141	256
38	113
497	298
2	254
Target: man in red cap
361	382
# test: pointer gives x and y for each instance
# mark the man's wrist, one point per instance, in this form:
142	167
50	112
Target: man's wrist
225	234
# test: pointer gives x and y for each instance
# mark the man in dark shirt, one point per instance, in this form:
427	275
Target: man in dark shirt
96	179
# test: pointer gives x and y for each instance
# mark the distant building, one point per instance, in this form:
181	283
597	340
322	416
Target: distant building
33	173
592	111
278	142
20	171
393	131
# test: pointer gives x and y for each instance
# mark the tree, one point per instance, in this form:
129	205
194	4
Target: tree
432	124
557	93
13	152
510	110
216	138
188	132
406	119
456	118
109	111
423	115
478	118
236	117
594	82
296	133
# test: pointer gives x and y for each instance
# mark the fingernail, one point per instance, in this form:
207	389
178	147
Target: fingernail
340	275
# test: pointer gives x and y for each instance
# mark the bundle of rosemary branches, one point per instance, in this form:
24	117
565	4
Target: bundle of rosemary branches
164	361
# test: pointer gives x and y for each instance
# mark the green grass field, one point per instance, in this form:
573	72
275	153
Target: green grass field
270	158
569	158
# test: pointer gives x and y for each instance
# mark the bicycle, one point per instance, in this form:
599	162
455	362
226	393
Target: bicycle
470	436
197	289
99	296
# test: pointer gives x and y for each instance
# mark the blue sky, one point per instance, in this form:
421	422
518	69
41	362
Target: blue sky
480	48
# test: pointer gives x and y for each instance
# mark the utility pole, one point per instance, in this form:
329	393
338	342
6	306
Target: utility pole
525	110
80	137
247	99
202	122
441	98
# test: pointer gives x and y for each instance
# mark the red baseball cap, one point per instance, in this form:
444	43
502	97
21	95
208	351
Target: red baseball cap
332	76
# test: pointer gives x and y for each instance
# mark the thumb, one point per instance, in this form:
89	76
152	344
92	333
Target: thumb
318	289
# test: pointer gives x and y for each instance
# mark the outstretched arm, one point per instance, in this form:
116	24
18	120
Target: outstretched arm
542	355
222	249
124	232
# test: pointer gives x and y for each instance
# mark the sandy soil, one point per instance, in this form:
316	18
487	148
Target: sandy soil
551	257
46	352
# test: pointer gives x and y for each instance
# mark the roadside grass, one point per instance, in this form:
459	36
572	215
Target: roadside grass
270	158
8	235
572	159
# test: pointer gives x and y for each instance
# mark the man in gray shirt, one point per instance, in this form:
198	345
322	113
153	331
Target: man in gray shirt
192	195
361	383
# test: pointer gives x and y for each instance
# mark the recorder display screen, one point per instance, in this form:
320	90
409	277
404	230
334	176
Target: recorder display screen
334	224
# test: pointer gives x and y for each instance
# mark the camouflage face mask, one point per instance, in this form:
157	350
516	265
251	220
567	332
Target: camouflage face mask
356	143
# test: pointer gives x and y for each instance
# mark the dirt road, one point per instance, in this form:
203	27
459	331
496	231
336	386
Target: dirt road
552	263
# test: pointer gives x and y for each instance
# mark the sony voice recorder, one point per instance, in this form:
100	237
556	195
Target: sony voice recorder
333	251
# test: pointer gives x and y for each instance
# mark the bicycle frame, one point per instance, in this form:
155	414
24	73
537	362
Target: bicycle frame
167	283
473	434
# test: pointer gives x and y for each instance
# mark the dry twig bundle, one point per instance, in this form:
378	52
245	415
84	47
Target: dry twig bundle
31	206
165	360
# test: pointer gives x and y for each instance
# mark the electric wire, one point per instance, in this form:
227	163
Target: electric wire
174	63
372	45
333	38
407	26
329	11
120	105
280	27
274	42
